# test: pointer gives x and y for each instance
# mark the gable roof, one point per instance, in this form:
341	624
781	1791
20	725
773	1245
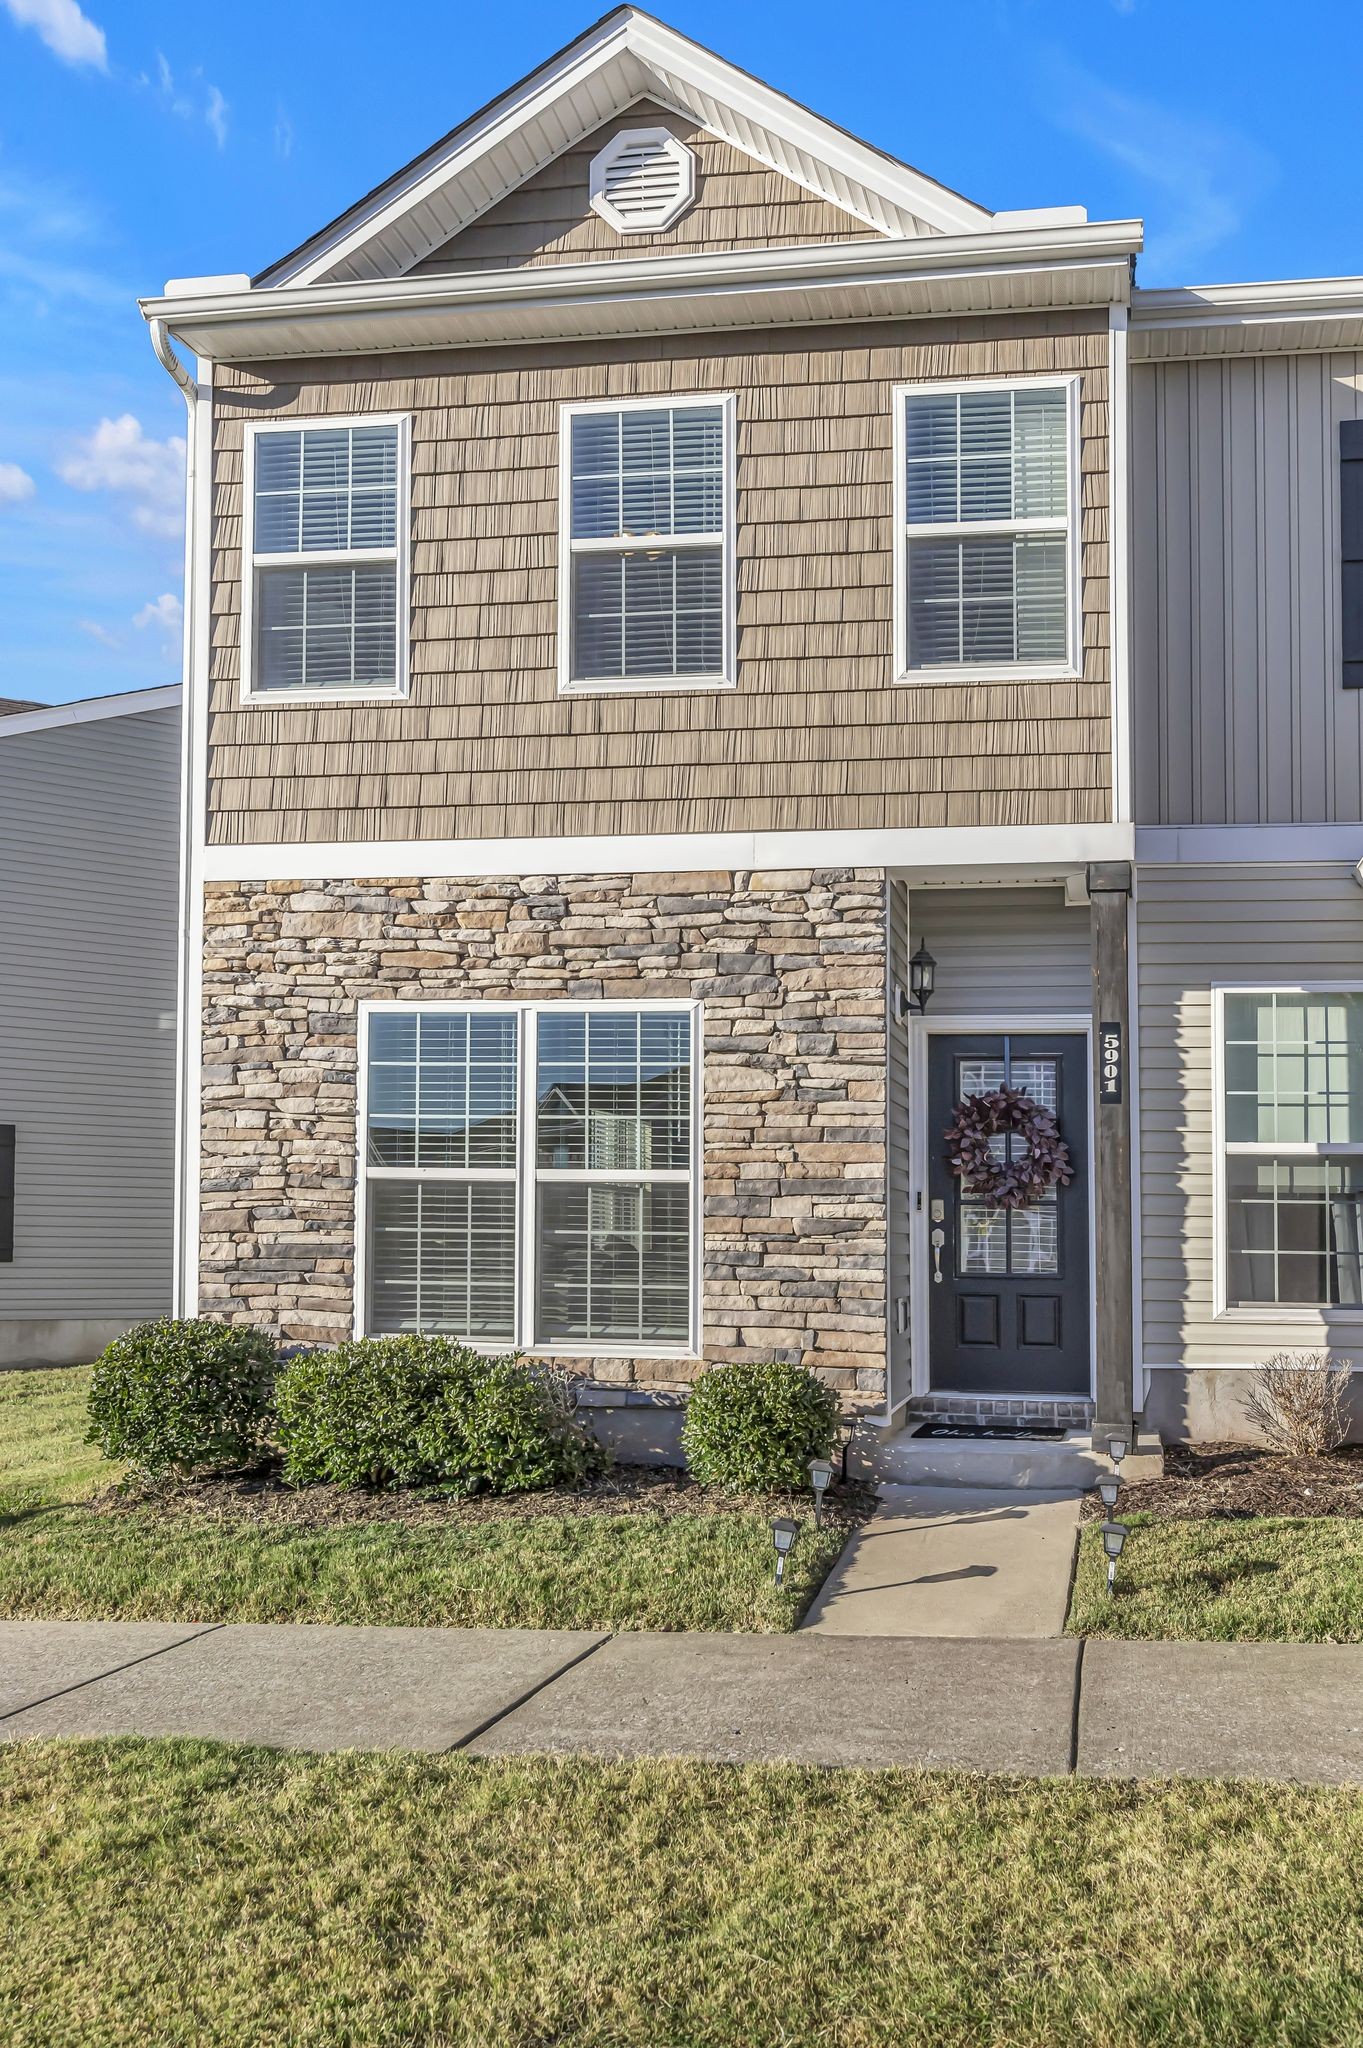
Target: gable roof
624	57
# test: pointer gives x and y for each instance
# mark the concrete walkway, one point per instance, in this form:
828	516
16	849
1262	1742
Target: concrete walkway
1040	1709
954	1561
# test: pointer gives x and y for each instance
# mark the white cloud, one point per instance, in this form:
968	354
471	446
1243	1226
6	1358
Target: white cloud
119	457
15	484
100	633
1200	179
165	611
180	99
283	135
68	33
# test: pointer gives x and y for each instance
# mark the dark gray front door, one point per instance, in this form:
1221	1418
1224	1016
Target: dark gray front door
1010	1312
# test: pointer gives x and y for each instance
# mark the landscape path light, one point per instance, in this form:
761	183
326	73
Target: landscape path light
1108	1489
783	1534
1114	1535
1116	1448
820	1474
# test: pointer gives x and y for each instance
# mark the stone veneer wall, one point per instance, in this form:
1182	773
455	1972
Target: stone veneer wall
791	969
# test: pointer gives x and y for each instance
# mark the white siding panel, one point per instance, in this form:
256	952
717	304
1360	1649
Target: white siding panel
1239	711
88	916
1197	927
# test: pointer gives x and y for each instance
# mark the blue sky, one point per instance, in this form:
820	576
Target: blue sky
142	141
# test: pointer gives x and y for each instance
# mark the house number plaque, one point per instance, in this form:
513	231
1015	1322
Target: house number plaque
1109	1062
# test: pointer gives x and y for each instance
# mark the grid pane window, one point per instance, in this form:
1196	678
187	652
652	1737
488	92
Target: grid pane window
1018	1242
325	518
987	519
654	612
571	1229
1293	1066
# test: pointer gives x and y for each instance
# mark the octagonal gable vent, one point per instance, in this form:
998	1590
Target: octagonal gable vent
642	180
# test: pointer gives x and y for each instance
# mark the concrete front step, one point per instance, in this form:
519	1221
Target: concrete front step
898	1458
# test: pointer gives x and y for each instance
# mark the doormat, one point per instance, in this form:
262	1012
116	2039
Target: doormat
1044	1432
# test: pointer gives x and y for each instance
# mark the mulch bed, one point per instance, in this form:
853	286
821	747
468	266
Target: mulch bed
262	1499
1239	1481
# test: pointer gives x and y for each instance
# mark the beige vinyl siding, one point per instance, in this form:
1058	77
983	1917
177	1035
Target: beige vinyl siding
1198	926
898	1189
739	204
1004	952
1240	716
88	920
815	734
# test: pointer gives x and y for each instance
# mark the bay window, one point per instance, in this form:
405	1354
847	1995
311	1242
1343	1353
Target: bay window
646	583
529	1174
986	566
1293	1147
324	600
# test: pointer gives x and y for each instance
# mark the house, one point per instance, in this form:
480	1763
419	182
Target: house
89	829
670	581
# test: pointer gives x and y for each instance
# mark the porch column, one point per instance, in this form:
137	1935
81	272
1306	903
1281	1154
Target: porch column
1109	885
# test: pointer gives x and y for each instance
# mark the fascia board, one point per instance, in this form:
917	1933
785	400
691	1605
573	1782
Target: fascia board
936	257
90	709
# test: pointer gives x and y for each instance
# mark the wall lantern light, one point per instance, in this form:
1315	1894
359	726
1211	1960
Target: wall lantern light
922	978
1114	1535
783	1534
1108	1490
820	1473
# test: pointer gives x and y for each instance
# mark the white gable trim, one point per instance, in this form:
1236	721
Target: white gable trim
627	57
87	709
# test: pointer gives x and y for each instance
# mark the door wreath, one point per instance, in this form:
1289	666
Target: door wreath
1008	1183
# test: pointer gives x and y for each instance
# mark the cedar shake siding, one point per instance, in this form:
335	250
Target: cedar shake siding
816	734
739	204
791	970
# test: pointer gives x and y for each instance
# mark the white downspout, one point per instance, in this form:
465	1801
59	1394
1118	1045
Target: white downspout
186	1095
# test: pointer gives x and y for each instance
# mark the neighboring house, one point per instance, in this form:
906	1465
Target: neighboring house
89	835
658	565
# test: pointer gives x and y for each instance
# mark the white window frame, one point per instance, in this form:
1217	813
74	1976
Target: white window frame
1071	668
1296	1313
321	558
570	548
528	1175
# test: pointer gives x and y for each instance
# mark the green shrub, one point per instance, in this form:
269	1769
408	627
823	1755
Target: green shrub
169	1396
426	1411
754	1428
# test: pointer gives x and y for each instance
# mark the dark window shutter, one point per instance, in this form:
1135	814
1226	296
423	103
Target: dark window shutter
6	1194
1351	550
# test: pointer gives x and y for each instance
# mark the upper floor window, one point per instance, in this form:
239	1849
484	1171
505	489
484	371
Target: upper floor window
987	566
1292	1128
646	583
324	601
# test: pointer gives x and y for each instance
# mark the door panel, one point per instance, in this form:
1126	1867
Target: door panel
1009	1313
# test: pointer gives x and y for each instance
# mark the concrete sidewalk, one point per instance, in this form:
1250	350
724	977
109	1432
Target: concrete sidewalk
954	1561
1039	1708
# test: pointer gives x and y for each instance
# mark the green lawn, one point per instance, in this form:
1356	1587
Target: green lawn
192	1893
704	1571
1268	1580
60	1560
43	1455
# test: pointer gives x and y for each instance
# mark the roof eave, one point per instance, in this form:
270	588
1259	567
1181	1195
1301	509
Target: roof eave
1082	265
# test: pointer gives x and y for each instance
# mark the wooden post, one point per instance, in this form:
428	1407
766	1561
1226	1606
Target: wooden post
1109	885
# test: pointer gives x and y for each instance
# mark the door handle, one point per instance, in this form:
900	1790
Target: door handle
939	1238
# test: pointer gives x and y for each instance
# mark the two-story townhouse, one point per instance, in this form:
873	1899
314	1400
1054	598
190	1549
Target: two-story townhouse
663	586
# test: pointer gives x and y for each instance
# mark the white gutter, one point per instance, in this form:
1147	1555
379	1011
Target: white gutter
561	290
189	948
88	710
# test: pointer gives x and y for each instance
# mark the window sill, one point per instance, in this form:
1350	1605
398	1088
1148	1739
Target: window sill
280	699
1015	672
595	1348
646	685
1299	1314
